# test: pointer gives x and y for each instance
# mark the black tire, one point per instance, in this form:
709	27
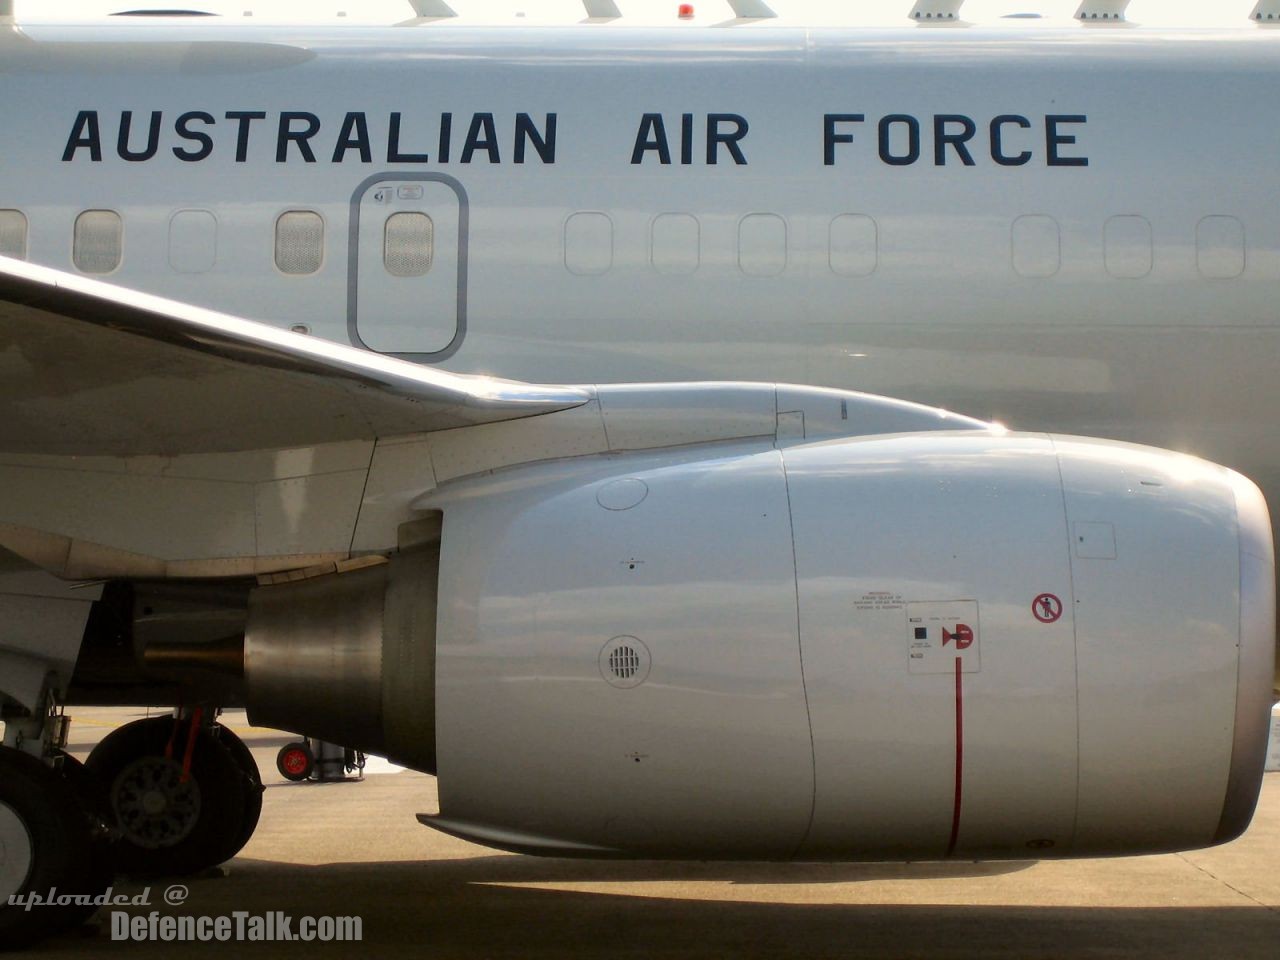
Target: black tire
93	800
90	791
64	847
169	826
251	784
295	761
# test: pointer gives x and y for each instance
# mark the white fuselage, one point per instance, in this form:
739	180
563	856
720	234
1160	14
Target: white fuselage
991	270
597	625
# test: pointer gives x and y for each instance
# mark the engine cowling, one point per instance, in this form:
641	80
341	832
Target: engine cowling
887	648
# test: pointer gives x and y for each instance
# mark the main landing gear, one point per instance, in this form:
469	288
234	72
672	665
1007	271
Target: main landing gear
52	841
185	795
164	796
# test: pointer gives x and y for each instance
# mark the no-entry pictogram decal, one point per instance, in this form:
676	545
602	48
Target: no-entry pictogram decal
1047	607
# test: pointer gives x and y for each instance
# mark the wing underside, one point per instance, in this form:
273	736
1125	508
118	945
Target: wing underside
91	369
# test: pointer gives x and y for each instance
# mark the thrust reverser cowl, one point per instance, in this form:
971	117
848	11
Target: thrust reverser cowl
898	647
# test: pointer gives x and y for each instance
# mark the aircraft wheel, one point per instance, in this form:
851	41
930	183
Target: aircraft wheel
251	785
91	793
295	761
172	821
48	839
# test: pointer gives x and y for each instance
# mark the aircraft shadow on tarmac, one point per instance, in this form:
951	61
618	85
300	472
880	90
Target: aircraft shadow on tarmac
478	908
520	869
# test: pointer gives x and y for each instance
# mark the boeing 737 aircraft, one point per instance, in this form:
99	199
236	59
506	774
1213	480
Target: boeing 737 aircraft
597	412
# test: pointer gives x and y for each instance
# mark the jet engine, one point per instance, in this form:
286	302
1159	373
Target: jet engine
901	647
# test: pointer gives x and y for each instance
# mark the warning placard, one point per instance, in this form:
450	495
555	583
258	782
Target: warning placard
939	632
879	600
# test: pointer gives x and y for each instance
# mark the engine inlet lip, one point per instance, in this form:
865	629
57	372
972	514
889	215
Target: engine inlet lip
1257	659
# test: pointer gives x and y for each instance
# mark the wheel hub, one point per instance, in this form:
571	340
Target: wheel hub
154	805
16	852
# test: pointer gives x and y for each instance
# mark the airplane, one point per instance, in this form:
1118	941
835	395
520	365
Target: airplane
709	434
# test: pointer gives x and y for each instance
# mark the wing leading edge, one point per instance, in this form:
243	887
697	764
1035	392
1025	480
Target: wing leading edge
87	368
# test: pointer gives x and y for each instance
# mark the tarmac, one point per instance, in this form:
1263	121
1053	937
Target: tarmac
355	849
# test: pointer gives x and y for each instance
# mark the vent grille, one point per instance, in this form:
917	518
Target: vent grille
625	662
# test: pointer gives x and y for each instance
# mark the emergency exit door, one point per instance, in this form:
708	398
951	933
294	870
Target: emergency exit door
407	282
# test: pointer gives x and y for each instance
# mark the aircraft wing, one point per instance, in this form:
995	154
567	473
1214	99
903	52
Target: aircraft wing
88	368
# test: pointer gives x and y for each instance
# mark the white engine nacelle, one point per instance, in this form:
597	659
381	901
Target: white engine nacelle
886	648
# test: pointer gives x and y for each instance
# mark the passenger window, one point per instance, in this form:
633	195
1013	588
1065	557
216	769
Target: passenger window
674	243
1220	247
299	242
98	244
408	244
1037	246
762	245
588	244
193	241
13	234
853	245
1126	246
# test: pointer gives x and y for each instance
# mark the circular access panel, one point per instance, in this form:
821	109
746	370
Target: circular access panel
622	494
625	662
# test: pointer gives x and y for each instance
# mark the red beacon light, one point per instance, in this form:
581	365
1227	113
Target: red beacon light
685	11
